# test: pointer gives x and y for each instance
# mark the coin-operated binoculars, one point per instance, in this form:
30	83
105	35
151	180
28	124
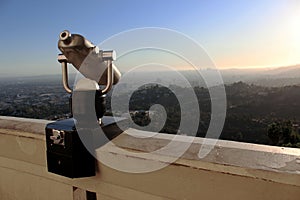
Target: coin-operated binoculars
66	153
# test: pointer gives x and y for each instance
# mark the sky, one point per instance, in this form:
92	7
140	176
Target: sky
235	34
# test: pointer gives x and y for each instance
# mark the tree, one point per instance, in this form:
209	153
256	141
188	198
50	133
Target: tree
283	134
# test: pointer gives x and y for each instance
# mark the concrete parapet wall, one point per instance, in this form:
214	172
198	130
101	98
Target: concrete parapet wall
232	170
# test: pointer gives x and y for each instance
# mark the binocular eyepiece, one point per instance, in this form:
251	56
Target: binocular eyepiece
65	36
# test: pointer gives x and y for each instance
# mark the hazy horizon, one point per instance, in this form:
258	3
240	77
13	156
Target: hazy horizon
73	72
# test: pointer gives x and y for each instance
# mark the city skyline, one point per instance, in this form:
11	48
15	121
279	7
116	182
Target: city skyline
235	34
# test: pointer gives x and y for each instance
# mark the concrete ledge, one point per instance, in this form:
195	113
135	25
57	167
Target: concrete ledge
235	158
23	125
232	170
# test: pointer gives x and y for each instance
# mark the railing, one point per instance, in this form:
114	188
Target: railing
232	170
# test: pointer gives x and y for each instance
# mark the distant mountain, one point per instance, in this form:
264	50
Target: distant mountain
285	72
276	77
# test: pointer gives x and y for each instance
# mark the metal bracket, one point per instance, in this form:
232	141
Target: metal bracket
107	56
64	66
